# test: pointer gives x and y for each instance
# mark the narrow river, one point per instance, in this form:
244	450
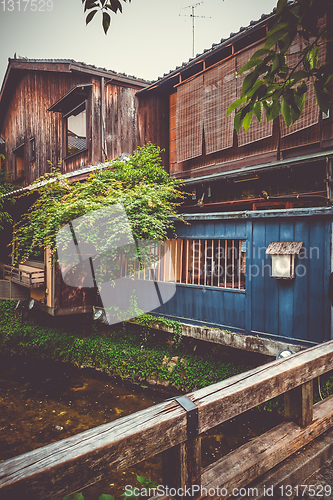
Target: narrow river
42	402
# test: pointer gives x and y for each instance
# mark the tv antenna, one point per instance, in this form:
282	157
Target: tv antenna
192	14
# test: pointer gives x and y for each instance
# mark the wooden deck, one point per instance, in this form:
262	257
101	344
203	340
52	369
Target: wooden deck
74	463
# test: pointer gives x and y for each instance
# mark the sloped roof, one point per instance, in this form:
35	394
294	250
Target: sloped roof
224	42
284	248
17	66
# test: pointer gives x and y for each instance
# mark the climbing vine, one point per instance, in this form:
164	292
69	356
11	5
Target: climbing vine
150	196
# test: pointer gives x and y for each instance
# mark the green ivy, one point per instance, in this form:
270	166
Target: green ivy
150	196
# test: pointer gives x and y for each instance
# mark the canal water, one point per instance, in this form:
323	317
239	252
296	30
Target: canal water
42	402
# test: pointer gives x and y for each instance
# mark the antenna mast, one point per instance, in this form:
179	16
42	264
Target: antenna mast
192	7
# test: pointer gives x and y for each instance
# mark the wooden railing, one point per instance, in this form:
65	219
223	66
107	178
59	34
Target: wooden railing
71	464
30	279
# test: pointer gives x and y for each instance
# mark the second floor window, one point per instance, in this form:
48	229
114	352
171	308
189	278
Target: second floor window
75	130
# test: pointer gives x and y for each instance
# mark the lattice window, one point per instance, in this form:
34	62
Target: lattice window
310	115
219	93
207	262
189	119
257	130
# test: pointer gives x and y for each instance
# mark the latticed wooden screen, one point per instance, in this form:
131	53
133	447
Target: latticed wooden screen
257	130
310	115
219	93
189	119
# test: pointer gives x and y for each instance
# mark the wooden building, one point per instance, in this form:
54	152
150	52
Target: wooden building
249	195
60	112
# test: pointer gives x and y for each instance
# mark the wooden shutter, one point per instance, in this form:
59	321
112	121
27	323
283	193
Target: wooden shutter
257	130
189	119
219	93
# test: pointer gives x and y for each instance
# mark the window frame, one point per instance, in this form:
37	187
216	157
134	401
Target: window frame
65	117
177	261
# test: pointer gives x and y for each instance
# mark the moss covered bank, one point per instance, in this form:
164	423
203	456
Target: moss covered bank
132	353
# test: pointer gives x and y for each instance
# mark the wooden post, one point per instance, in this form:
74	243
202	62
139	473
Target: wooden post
182	466
298	404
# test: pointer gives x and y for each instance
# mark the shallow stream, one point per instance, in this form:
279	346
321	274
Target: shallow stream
42	402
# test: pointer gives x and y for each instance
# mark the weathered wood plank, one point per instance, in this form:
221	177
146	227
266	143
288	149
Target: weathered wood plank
83	459
76	462
224	400
240	467
182	464
298	404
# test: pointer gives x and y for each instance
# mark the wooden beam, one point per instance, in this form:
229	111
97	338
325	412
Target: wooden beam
83	459
182	464
298	404
242	466
74	463
252	343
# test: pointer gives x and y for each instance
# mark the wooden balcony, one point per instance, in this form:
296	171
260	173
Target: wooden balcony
27	276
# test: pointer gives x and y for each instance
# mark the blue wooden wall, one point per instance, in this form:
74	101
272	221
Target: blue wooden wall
292	309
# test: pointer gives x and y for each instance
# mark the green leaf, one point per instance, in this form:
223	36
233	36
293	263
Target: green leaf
257	109
272	110
313	57
301	89
142	479
286	113
238	121
90	4
75	496
248	82
280	6
322	96
271	40
260	53
276	28
247	121
115	6
106	22
235	105
276	63
249	65
90	16
106	497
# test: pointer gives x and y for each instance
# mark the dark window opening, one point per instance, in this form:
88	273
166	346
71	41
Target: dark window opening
252	37
32	149
19	162
193	70
75	130
219	56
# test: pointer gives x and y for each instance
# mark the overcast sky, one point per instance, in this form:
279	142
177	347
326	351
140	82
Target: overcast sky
148	39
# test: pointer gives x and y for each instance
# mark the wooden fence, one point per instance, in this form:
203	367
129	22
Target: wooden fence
74	463
30	279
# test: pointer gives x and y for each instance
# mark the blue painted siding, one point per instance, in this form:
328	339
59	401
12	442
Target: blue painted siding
294	309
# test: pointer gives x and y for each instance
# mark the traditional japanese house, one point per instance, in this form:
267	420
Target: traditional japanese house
255	256
250	195
59	113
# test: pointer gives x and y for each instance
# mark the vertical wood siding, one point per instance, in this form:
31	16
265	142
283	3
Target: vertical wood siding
121	120
295	309
27	117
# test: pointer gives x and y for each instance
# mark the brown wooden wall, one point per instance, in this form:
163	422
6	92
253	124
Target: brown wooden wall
27	117
263	142
153	122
